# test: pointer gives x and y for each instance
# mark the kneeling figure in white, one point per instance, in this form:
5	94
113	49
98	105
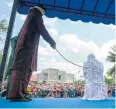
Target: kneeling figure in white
95	88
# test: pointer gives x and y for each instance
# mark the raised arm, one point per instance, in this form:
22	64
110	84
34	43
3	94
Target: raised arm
44	33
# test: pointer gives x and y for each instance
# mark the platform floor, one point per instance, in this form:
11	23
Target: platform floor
59	103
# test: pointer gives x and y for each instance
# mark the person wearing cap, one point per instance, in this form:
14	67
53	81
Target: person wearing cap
25	56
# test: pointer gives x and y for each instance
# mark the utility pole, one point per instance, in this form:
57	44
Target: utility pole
7	41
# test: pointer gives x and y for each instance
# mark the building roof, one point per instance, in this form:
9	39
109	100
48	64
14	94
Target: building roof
34	78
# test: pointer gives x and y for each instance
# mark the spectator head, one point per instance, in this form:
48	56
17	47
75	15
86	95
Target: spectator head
65	95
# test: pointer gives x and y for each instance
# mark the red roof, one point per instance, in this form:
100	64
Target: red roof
33	78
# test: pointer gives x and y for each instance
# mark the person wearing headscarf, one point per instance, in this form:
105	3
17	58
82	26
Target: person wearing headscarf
13	46
25	57
95	88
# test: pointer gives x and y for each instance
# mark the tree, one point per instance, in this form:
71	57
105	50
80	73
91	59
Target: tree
111	58
79	82
3	26
109	81
0	56
3	29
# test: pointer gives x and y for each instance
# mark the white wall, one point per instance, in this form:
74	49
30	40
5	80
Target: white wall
55	76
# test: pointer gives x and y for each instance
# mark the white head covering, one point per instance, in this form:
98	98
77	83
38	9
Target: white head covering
39	8
95	85
92	67
89	65
91	58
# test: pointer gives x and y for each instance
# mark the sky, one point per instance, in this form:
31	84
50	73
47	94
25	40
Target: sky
75	40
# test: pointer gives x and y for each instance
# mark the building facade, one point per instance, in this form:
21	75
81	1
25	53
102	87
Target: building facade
50	76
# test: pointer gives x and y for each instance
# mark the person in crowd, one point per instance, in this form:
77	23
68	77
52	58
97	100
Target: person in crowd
13	46
3	92
109	92
50	95
0	93
65	95
58	94
113	92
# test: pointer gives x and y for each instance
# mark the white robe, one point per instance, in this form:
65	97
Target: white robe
95	88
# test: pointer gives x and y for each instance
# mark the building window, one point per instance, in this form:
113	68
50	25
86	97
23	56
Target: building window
59	77
44	82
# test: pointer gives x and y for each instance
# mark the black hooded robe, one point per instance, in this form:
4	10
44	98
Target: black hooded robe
25	58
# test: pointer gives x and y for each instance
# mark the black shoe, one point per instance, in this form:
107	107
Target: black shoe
19	100
28	98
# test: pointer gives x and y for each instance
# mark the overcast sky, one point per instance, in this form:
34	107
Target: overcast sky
75	40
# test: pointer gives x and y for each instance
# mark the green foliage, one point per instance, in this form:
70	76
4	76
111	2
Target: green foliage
0	56
111	71
79	82
112	54
111	58
109	81
3	27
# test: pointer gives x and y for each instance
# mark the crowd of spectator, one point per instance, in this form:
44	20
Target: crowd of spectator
57	91
61	91
111	91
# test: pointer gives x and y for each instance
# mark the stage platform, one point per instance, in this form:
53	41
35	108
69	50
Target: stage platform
59	103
